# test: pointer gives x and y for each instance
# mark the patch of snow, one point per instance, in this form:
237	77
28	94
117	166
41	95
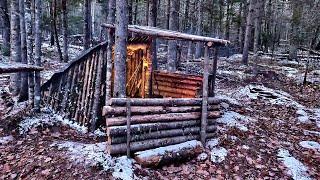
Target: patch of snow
48	119
235	57
6	139
296	169
302	115
254	92
94	155
307	132
123	169
245	147
212	143
172	148
202	157
310	145
234	119
217	155
228	99
99	133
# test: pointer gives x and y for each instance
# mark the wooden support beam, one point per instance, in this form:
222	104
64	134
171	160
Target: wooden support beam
204	114
128	127
214	72
17	67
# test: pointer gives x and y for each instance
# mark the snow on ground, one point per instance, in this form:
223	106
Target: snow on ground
212	143
6	139
296	169
48	119
217	155
234	119
93	155
307	132
310	145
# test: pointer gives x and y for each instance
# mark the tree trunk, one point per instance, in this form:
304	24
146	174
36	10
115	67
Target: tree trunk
147	11
121	35
199	45
110	20
243	24
30	40
168	7
38	42
4	13
172	45
56	35
15	41
250	20
153	22
51	23
257	26
87	24
297	6
24	76
65	29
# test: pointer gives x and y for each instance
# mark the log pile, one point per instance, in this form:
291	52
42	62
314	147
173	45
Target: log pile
176	85
156	122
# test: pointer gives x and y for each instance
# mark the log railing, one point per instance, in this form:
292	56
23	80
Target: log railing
77	92
155	122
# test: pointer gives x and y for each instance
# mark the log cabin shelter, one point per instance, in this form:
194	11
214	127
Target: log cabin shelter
144	80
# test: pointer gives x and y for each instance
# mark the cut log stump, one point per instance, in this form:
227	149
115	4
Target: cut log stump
169	154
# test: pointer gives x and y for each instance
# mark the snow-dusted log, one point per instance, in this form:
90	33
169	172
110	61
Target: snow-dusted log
161	134
136	110
163	101
169	117
167	154
13	67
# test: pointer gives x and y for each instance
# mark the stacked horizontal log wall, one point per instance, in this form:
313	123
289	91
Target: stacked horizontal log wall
176	85
156	122
73	91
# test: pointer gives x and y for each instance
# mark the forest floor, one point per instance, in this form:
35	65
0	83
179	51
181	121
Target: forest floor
270	129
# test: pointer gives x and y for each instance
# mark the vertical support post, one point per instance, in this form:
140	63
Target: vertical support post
204	114
109	66
153	56
214	71
128	125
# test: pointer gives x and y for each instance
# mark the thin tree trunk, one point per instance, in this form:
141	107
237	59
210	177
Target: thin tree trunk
24	76
87	24
111	20
30	40
52	23
257	29
168	6
56	35
147	11
297	7
4	13
243	24
172	45
121	35
153	22
15	41
250	19
199	45
37	27
65	30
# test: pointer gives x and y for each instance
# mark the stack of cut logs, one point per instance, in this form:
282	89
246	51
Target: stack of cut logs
156	122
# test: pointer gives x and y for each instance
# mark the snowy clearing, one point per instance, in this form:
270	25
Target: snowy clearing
296	169
48	119
94	155
234	119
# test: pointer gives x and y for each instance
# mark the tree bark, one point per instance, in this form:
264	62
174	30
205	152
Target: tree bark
121	35
172	45
4	13
111	20
199	45
250	20
15	41
153	22
297	7
87	24
30	41
65	30
38	42
257	25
